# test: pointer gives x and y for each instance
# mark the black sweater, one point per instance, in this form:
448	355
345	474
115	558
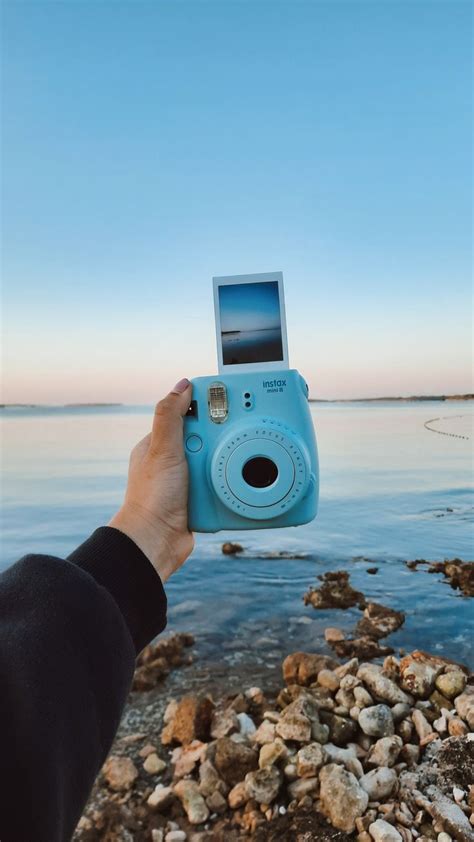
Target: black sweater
70	631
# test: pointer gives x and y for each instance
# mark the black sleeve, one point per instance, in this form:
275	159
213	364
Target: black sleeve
70	631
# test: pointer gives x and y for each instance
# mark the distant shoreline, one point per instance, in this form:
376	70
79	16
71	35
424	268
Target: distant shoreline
411	399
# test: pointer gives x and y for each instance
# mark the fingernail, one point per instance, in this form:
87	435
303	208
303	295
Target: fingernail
181	386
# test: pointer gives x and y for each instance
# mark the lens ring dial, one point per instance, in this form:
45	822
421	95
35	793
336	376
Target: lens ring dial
269	439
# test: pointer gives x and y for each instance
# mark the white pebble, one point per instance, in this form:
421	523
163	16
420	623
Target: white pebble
282	810
458	794
444	837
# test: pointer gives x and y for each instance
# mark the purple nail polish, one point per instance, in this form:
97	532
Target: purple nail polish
181	386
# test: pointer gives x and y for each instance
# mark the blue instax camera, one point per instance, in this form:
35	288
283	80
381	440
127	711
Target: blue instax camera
249	436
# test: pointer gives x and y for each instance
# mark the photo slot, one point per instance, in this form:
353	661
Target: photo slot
250	321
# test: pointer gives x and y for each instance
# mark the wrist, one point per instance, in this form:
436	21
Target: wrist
149	537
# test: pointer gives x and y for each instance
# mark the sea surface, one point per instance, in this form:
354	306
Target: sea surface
252	346
391	490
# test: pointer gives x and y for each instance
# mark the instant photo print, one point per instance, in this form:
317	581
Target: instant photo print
248	434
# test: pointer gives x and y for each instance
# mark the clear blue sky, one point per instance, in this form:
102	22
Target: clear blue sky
249	306
151	145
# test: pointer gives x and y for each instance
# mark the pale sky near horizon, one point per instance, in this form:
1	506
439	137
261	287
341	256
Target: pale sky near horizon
148	146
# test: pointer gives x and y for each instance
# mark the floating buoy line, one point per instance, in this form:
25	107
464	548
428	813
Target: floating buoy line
443	432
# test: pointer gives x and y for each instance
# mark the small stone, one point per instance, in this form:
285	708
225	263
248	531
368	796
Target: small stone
328	679
346	756
238	796
149	748
170	711
192	719
456	727
157	834
271	753
247	726
444	837
309	760
160	797
223	723
451	684
265	733
303	668
272	715
418	674
382	831
209	779
341	729
380	783
175	836
380	686
342	799
120	772
185	758
362	697
264	784
154	764
422	726
332	634
410	754
385	751
216	802
194	805
458	794
465	705
377	721
400	711
233	760
228	548
303	786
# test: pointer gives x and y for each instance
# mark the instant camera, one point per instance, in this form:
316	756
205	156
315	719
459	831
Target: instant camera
248	434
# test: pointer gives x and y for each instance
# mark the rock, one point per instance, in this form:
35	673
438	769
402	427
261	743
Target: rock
418	673
209	779
223	723
234	760
297	720
158	659
175	836
228	548
410	754
400	711
349	668
329	680
265	733
382	831
451	684
157	834
422	726
456	727
363	647
216	802
346	756
377	721
186	757
464	705
194	805
147	749
450	814
379	784
342	799
362	697
154	764
264	784
192	719
332	634
303	667
309	760
302	787
161	797
379	621
335	592
247	726
272	753
238	796
381	687
341	729
120	772
385	751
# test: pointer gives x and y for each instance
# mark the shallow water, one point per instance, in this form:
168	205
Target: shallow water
391	490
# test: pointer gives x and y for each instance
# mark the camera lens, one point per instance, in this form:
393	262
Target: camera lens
260	472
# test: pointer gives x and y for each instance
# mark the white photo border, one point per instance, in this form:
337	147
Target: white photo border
231	280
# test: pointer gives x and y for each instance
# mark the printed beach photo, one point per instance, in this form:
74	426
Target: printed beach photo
250	323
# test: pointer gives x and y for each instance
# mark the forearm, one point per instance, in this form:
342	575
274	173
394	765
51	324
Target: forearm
70	633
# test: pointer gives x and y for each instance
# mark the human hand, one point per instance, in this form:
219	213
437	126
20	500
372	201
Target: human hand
154	513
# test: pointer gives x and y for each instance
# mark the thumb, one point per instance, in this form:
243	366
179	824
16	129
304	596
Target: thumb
167	431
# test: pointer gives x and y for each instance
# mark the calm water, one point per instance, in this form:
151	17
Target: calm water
390	491
251	346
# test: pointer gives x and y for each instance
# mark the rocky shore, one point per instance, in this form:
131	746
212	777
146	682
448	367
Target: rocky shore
352	750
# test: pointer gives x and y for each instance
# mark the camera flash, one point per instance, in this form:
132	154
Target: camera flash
217	402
